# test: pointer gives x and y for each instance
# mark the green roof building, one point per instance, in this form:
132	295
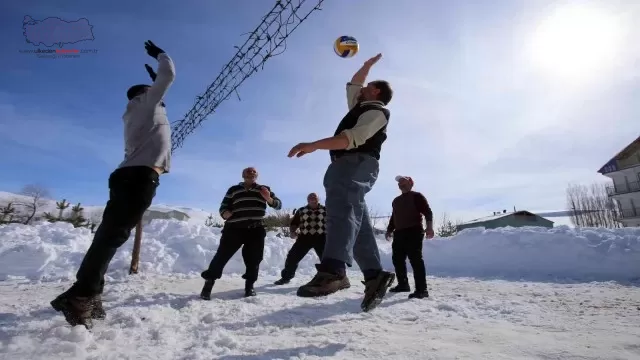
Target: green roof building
504	219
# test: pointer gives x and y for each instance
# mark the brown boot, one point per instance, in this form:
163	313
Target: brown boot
76	310
98	312
324	284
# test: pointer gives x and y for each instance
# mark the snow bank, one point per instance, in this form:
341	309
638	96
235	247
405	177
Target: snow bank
50	252
596	254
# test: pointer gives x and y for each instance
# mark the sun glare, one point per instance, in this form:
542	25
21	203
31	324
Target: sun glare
576	42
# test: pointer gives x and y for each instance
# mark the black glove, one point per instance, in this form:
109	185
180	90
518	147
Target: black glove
152	49
152	73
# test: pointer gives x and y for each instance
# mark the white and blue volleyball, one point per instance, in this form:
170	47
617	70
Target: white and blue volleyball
346	46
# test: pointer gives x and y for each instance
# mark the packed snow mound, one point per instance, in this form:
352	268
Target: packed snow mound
53	251
534	253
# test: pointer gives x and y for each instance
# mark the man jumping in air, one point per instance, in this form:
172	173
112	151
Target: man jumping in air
355	150
132	188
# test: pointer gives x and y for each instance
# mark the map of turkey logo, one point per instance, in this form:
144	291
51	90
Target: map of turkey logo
56	31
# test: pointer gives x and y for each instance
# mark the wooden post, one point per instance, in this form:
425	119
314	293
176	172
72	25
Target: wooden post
135	255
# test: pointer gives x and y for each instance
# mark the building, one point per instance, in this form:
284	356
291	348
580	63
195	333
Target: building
624	170
504	219
165	214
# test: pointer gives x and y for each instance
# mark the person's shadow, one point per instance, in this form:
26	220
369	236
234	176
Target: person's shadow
304	315
325	351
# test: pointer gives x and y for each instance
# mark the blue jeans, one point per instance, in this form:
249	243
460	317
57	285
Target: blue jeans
349	231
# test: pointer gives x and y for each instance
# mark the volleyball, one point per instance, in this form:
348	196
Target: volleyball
346	46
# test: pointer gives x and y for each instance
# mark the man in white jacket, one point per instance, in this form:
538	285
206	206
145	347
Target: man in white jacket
132	187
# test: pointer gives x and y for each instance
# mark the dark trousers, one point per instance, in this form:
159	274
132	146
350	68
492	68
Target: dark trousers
408	243
131	191
251	239
300	249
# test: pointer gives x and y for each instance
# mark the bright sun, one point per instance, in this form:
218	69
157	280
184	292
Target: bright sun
575	42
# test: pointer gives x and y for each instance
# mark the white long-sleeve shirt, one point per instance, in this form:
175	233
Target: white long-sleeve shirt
369	123
147	132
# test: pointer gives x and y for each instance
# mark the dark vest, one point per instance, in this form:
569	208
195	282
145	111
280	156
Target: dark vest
373	146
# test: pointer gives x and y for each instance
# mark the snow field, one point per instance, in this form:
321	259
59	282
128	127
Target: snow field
525	293
161	317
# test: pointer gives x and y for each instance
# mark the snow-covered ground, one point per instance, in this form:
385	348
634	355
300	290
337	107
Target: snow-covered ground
524	293
161	317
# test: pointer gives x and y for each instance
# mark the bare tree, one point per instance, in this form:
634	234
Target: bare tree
279	220
374	217
379	222
590	206
37	195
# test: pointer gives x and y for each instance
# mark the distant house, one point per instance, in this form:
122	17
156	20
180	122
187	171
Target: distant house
624	170
159	214
504	219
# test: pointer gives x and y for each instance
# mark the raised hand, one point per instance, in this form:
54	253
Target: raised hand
152	73
373	60
361	75
152	49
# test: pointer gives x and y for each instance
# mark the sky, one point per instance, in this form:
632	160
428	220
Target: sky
496	104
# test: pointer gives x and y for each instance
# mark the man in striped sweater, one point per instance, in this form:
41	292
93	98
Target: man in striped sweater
310	221
243	209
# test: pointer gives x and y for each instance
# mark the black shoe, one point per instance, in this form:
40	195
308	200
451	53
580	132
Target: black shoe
419	294
249	290
376	289
76	310
400	288
205	294
282	281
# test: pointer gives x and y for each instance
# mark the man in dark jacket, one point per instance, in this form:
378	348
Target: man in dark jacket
310	221
406	227
132	187
243	208
354	150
